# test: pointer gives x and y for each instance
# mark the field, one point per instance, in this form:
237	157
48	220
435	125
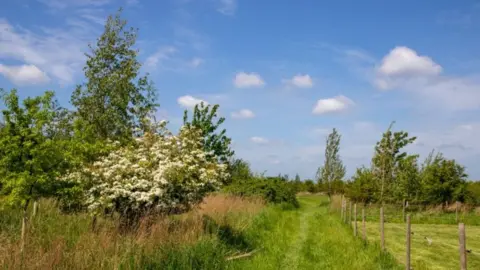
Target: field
228	232
440	253
225	233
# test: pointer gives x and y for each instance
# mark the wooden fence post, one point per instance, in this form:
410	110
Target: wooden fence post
345	220
382	234
407	245
456	211
355	220
341	211
35	208
364	225
350	215
403	213
462	246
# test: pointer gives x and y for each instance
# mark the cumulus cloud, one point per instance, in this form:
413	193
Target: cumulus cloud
189	102
259	140
332	105
247	80
403	61
243	114
24	74
300	81
403	68
57	52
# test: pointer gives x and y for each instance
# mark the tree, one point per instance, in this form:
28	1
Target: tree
239	170
362	188
218	144
442	180
113	103
31	151
407	183
387	156
332	168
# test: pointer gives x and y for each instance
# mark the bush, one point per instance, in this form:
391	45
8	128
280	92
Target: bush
272	189
161	172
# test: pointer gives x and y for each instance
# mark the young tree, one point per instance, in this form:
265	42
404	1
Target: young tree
443	180
387	156
204	117
407	183
32	153
362	188
332	168
113	103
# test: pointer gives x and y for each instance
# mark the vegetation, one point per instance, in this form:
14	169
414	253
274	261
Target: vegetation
437	180
332	169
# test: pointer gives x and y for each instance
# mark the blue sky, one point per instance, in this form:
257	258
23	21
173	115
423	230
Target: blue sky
284	72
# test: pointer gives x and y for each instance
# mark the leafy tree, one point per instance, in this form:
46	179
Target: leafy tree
32	154
310	186
204	117
387	156
239	170
443	180
297	183
332	168
362	188
407	184
113	103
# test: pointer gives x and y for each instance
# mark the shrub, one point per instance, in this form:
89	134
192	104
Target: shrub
160	172
272	189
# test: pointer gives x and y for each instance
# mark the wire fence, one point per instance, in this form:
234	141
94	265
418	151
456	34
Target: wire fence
433	233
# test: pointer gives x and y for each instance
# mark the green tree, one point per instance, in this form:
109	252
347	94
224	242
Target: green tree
443	180
205	118
115	102
332	168
32	153
362	188
387	156
239	170
407	183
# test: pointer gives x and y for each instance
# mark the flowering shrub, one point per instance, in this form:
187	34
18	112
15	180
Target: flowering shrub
159	172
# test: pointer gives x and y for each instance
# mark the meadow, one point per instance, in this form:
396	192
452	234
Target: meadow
225	232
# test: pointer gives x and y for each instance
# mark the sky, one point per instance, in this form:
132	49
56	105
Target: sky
284	72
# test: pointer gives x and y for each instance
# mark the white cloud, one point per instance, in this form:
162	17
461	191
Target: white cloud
189	101
405	61
331	105
227	7
24	74
301	81
196	62
243	114
246	80
57	52
162	54
404	69
259	140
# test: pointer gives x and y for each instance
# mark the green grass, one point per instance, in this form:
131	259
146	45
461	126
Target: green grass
283	236
310	238
441	254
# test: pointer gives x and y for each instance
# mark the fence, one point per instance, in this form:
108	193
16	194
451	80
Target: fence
437	242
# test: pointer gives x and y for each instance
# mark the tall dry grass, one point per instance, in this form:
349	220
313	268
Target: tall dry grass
60	241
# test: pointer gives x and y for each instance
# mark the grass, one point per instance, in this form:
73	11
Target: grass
442	253
282	236
310	238
200	239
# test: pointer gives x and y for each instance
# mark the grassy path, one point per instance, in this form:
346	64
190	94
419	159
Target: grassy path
311	238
